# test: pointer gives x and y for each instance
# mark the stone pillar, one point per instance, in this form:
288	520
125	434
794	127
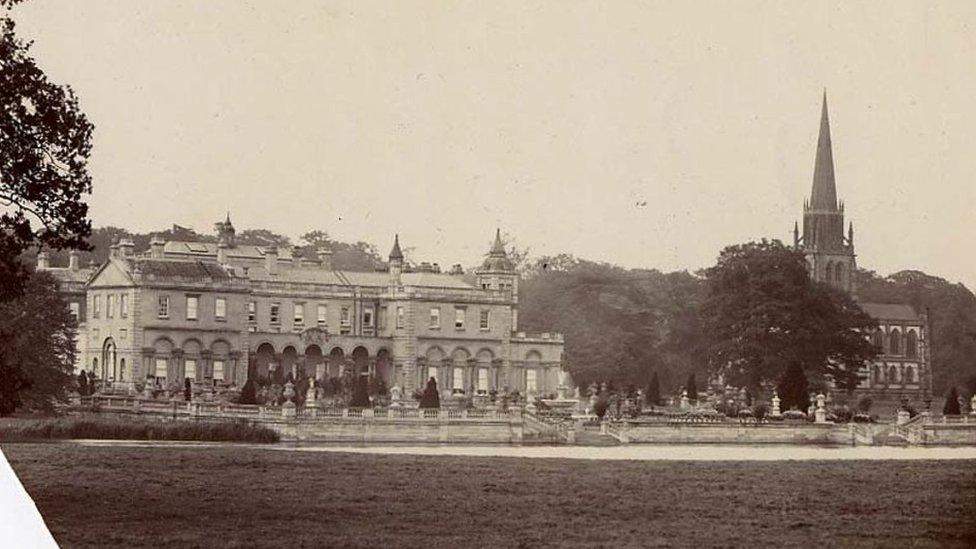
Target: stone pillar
775	412
820	414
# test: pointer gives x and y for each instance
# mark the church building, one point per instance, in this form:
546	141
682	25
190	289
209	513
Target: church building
903	369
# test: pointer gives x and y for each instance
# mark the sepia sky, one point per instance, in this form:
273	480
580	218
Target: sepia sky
648	134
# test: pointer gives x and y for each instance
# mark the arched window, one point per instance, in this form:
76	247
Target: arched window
879	374
839	272
877	338
911	344
894	342
911	375
893	376
829	272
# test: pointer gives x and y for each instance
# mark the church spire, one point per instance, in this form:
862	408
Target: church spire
824	195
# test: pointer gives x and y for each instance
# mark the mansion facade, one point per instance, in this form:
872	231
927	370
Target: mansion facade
222	313
902	370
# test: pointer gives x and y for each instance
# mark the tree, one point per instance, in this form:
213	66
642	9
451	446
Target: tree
45	141
762	312
249	393
793	388
430	398
360	394
653	393
358	256
82	383
37	347
692	387
951	407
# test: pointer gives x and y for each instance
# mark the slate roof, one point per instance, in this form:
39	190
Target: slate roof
379	279
209	249
161	268
891	311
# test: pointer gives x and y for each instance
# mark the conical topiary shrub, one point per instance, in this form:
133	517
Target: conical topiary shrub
430	398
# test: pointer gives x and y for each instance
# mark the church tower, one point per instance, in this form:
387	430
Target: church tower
830	254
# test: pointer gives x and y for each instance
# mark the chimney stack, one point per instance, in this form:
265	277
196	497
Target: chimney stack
74	259
325	258
156	246
113	250
126	247
271	259
43	260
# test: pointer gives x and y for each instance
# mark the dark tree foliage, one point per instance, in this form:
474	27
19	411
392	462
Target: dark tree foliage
612	319
82	383
951	407
37	348
762	312
794	390
652	395
187	389
692	387
358	256
360	394
45	141
430	398
249	393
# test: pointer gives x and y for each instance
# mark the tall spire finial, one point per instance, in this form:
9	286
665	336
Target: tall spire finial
824	194
396	253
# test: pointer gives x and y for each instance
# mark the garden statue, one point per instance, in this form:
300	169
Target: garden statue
310	393
775	412
685	403
972	405
289	392
820	414
396	393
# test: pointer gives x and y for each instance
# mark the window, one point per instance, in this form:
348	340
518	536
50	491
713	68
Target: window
482	380
911	344
368	318
218	370
459	318
220	308
124	305
192	302
381	318
458	382
275	313
252	312
431	373
299	314
877	338
74	308
96	306
344	324
190	368
123	333
320	316
162	307
109	306
435	318
530	381
910	375
894	342
483	321
400	319
160	368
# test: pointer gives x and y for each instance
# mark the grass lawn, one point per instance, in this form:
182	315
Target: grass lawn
247	497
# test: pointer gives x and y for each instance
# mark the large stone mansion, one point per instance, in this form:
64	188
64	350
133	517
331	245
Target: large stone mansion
903	369
221	313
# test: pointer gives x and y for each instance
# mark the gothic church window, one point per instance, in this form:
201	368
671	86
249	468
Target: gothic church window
911	344
894	342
